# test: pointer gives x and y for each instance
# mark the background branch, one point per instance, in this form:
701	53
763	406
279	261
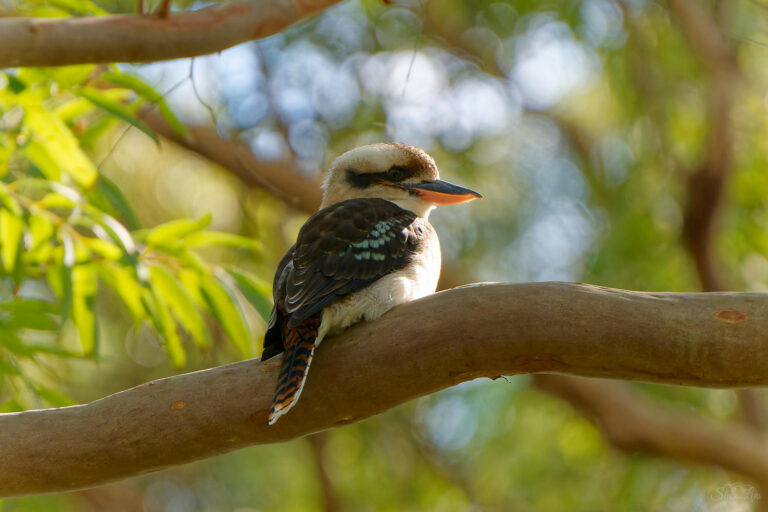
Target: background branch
633	423
280	177
706	183
439	341
140	38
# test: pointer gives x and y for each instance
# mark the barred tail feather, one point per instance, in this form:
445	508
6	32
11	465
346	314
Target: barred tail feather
300	347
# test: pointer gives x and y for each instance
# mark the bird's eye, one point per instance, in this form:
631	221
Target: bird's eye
396	174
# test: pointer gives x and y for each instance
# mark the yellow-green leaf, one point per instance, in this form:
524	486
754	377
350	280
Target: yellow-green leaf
170	233
224	306
117	109
9	202
190	279
84	287
105	249
169	332
54	149
7	148
257	292
220	238
166	285
56	200
73	108
111	229
67	77
40	229
126	286
11	231
149	93
116	197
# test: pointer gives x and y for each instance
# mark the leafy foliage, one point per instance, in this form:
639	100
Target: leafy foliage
66	230
579	121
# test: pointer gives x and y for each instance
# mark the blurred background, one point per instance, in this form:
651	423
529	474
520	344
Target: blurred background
620	143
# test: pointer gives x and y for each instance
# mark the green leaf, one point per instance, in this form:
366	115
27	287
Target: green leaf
29	314
11	341
117	109
84	287
69	256
32	321
9	202
11	231
53	397
170	233
7	148
96	129
15	84
67	77
24	305
56	200
72	109
224	306
257	292
12	405
127	287
190	280
54	149
167	286
149	93
115	196
167	327
7	366
111	230
40	229
103	248
219	238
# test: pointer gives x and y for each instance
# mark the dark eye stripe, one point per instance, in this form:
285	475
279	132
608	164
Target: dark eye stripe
360	180
395	174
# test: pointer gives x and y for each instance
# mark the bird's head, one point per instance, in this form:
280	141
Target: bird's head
405	175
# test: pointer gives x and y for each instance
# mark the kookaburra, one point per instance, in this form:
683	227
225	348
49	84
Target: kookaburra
368	249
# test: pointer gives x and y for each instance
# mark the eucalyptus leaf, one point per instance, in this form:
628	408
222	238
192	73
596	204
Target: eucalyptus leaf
170	233
167	327
257	292
180	303
116	109
11	231
149	93
224	306
54	149
84	287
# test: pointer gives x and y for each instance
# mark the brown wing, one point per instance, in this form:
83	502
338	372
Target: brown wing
343	249
340	250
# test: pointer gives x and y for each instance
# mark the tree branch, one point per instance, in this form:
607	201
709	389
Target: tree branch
632	424
485	330
141	38
706	184
279	177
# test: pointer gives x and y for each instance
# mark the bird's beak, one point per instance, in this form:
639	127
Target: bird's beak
441	192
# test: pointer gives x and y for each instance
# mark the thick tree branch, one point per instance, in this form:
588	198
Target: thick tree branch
485	330
141	38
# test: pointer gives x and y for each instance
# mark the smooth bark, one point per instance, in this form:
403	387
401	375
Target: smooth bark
146	38
484	330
